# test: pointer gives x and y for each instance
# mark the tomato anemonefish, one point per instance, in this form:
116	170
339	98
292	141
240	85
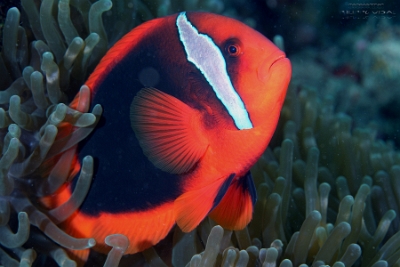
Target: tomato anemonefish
190	103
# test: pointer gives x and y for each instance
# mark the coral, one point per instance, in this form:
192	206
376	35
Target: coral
329	194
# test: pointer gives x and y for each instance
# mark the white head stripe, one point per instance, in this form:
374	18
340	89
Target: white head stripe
207	57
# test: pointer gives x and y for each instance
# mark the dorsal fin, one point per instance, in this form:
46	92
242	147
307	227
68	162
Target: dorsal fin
120	50
168	130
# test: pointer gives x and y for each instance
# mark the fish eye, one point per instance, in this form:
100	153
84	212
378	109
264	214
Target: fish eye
233	49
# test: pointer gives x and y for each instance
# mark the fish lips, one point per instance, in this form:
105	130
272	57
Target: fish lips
275	75
268	66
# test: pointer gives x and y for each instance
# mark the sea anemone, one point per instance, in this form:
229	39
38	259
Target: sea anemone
42	66
328	195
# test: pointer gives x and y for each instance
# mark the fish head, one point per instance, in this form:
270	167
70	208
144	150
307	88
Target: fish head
258	70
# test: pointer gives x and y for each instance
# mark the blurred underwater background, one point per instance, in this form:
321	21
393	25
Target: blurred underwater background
328	185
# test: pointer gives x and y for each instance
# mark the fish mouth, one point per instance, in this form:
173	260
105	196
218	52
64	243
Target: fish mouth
277	59
265	68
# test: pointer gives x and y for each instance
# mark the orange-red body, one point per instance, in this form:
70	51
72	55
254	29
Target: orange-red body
177	138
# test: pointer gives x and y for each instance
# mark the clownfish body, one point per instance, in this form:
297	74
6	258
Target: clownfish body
190	102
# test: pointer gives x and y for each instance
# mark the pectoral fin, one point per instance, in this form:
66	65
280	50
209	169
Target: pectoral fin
168	130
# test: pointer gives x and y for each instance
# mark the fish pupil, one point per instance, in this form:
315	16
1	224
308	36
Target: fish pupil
232	49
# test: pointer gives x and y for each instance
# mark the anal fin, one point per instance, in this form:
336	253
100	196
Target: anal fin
193	206
235	210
